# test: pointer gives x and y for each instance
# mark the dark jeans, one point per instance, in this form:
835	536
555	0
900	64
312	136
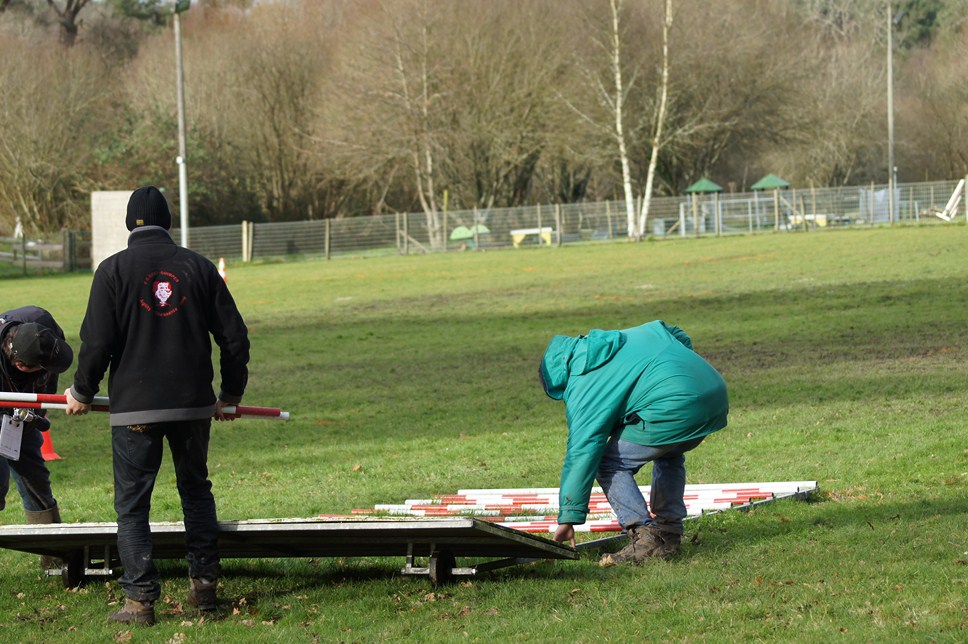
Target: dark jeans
30	473
137	458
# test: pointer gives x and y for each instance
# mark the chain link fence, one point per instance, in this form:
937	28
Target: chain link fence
64	251
695	215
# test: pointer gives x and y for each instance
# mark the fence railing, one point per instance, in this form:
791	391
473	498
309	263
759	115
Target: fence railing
67	250
697	215
789	210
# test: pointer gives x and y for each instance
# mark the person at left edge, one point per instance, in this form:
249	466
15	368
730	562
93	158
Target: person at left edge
33	352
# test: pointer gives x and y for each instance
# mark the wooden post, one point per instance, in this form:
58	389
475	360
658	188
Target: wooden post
474	229
446	200
557	225
813	199
716	213
776	209
406	233
890	195
870	201
608	218
65	250
328	233
695	214
965	201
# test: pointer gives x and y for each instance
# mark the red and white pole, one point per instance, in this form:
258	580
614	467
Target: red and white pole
101	403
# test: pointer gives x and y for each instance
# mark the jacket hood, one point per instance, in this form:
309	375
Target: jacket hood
567	356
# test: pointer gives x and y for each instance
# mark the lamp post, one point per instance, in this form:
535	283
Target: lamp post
177	8
892	21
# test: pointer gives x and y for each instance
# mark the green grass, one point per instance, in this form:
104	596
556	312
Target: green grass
845	354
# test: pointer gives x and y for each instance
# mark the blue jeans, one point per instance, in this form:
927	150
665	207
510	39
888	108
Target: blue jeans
616	475
30	474
137	458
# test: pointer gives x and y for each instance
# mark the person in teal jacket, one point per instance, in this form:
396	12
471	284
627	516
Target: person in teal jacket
632	397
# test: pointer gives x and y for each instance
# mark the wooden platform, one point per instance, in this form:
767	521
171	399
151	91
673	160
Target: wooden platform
90	549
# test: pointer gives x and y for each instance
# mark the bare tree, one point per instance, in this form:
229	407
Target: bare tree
605	112
506	68
252	84
67	17
52	114
394	95
934	116
659	122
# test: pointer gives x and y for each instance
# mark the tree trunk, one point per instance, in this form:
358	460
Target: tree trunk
660	120
616	6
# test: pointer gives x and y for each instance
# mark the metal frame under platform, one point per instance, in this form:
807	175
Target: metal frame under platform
90	549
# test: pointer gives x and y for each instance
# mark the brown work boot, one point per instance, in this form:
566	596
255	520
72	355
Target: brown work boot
134	612
201	594
43	517
645	542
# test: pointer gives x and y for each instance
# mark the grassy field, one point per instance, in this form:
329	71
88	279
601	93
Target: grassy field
845	354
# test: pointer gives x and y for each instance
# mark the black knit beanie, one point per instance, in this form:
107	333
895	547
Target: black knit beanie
148	207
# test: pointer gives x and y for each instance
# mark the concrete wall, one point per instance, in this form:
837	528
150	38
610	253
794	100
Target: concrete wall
108	231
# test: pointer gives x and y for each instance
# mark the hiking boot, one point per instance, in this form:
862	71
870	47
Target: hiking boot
645	542
134	612
48	563
201	594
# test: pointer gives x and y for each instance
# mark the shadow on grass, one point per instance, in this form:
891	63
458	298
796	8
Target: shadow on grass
824	521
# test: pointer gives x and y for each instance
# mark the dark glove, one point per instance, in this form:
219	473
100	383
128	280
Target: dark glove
40	423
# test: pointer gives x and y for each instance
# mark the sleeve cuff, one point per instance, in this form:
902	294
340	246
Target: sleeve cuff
228	398
571	516
81	398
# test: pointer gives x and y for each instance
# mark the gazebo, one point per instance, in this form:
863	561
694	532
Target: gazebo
774	183
704	186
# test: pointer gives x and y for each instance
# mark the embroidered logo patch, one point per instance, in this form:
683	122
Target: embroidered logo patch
162	294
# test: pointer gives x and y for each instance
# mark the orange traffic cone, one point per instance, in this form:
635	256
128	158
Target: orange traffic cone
47	449
221	269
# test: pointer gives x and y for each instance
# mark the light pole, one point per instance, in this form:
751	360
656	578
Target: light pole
179	6
892	20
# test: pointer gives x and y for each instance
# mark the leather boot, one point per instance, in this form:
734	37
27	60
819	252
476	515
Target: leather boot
201	594
52	515
134	612
645	542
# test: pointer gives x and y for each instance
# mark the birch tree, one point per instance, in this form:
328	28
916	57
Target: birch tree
659	122
605	112
617	101
388	120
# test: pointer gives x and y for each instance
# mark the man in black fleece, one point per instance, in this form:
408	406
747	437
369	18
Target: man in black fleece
152	313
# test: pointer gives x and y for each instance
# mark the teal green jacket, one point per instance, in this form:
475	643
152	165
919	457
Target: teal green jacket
644	385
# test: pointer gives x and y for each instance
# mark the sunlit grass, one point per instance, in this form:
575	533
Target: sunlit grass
413	376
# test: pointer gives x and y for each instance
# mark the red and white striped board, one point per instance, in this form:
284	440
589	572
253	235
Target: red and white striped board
535	509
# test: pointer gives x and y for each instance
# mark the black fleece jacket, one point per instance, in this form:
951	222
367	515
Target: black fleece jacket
14	380
151	315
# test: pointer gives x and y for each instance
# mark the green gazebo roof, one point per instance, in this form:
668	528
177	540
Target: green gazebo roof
769	182
704	185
